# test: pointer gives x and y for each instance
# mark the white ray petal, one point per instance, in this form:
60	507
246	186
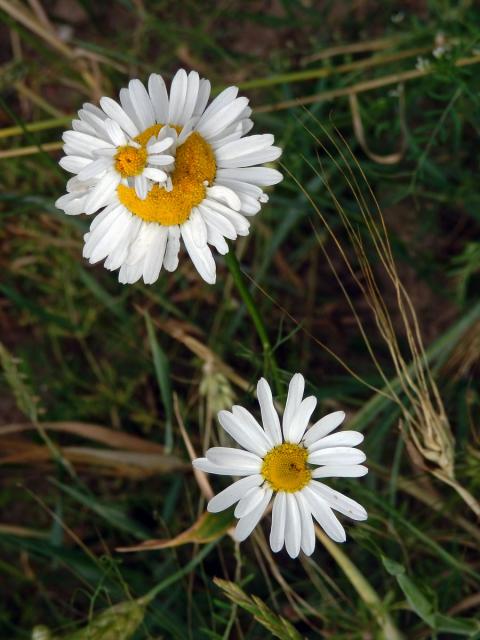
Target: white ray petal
339	502
257	157
159	145
155	254
229	457
337	455
270	420
293	527
340	471
308	530
93	109
226	195
202	98
103	237
85	144
130	274
130	110
241	224
74	164
225	97
198	228
233	493
323	427
245	146
178	93
242	414
141	103
95	169
296	389
300	419
261	176
239	186
251	206
140	244
107	152
209	467
71	203
216	123
103	214
141	186
159	97
193	84
115	132
217	241
170	262
249	501
119	256
161	160
115	112
279	512
157	175
96	124
243	433
219	222
247	524
201	256
324	515
102	192
340	439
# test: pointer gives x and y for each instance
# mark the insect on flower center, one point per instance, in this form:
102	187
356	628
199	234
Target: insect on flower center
285	468
130	161
194	168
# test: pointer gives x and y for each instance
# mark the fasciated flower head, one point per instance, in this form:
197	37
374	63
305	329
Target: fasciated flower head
161	167
284	462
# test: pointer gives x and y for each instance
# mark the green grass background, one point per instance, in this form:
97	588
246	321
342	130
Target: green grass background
79	349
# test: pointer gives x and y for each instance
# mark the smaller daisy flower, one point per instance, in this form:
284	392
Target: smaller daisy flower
286	462
99	148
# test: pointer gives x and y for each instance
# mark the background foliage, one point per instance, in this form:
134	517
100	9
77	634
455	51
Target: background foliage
108	389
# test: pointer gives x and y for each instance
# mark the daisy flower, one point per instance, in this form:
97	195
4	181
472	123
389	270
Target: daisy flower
284	463
163	167
103	148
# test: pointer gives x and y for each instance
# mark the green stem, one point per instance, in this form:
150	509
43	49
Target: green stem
41	125
270	366
362	587
172	579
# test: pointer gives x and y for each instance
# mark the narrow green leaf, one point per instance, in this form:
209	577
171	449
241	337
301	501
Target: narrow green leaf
162	371
422	606
425	608
113	515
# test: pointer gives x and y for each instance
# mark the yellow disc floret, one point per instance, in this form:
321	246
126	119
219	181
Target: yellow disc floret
285	468
152	131
130	161
194	167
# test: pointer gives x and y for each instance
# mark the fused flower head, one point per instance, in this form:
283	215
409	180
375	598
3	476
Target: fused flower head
160	167
284	463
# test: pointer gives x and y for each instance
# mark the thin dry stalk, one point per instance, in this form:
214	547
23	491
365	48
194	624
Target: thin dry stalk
361	87
355	47
31	150
424	417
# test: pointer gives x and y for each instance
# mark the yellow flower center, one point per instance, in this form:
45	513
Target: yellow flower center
285	468
194	166
130	161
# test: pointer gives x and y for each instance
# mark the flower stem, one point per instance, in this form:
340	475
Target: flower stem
270	365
